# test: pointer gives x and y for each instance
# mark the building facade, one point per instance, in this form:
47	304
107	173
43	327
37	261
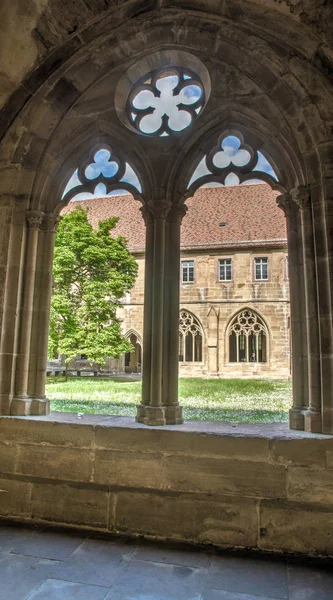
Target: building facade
234	318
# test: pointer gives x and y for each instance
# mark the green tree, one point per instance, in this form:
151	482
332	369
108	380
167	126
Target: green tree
91	270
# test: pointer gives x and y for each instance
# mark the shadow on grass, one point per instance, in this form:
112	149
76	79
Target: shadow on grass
51	379
233	415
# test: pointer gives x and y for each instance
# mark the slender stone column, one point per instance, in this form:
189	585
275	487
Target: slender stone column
312	417
147	315
40	405
297	316
21	402
159	405
173	412
13	285
158	307
154	413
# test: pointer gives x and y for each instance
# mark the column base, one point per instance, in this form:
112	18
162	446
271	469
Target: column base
296	418
159	415
312	421
25	406
40	406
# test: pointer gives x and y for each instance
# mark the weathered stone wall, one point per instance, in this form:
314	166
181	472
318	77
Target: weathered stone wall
258	486
270	299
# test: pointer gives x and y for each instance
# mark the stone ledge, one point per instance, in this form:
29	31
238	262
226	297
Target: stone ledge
263	430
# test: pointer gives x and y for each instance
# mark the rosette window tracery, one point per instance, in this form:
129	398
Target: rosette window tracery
166	101
190	338
102	173
248	338
233	161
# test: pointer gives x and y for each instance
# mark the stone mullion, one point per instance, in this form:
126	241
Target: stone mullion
297	315
40	405
9	333
20	403
147	316
167	315
173	412
158	307
312	417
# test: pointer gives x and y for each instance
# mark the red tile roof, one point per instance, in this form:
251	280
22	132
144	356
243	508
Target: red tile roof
250	212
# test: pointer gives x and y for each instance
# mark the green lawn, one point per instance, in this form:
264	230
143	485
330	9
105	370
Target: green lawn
238	400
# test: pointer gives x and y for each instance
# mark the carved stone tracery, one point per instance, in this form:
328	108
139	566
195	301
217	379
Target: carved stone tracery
109	171
242	161
155	103
190	337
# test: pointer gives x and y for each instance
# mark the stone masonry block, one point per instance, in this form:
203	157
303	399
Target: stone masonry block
300	451
330	459
222	521
310	485
14	498
234	477
7	458
130	469
51	462
180	442
72	505
291	527
40	431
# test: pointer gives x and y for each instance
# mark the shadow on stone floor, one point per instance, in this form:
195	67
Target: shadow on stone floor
52	564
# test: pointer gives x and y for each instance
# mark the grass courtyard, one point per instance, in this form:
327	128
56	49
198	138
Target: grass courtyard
237	400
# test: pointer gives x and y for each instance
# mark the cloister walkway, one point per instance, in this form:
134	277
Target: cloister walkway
45	564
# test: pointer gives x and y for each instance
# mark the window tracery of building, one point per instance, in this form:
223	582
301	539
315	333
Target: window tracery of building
248	337
101	174
190	338
231	162
166	101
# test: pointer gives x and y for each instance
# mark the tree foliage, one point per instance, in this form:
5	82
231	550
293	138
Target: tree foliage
92	270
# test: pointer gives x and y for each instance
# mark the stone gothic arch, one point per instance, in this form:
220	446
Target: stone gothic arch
67	105
133	360
247	337
191	337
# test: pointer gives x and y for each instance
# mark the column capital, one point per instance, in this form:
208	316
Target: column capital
177	213
151	211
51	222
301	196
160	210
147	214
287	204
34	218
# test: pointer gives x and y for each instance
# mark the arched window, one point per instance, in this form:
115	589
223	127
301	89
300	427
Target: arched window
133	359
190	338
248	338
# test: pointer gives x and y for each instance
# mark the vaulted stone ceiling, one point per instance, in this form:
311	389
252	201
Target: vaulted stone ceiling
37	36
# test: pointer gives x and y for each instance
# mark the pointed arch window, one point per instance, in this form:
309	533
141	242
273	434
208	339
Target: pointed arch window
133	359
190	338
248	338
232	161
102	173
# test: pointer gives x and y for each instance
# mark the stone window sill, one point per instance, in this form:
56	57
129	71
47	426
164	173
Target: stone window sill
223	429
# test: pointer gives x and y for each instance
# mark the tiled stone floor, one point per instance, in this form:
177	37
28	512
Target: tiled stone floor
46	564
